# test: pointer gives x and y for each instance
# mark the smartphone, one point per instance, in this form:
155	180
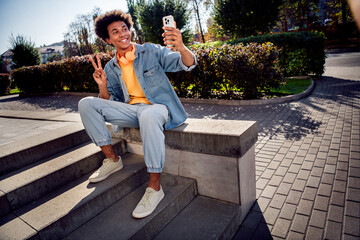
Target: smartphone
168	21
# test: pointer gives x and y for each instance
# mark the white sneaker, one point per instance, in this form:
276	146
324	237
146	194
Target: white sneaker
108	167
148	202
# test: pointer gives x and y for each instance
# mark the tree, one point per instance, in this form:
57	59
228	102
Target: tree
132	7
241	18
25	53
196	8
149	14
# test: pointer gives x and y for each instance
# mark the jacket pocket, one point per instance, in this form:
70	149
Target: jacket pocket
153	76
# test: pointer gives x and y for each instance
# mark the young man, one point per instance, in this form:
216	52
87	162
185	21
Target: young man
135	92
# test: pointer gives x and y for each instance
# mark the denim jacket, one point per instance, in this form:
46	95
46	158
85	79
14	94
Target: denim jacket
150	64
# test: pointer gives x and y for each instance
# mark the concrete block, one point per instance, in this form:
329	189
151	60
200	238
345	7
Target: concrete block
216	176
217	137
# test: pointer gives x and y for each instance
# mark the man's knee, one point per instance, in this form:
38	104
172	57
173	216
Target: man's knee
152	118
85	103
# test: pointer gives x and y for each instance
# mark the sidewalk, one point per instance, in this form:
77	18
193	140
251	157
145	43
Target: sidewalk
307	156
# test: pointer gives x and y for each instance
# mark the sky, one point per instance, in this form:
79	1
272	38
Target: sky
45	21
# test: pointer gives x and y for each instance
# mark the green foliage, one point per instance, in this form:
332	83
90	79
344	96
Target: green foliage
74	74
149	14
243	18
5	83
25	54
301	53
250	69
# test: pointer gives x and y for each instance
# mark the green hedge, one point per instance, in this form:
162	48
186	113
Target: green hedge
73	74
230	71
301	53
5	83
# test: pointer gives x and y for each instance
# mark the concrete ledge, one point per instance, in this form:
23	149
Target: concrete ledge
229	138
219	154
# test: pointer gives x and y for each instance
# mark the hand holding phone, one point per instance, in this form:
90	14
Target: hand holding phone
168	21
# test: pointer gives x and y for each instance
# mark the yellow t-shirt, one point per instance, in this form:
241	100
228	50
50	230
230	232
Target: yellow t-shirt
135	91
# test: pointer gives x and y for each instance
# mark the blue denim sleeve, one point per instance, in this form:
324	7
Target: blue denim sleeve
171	61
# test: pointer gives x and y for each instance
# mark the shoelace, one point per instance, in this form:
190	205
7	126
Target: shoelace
104	164
145	201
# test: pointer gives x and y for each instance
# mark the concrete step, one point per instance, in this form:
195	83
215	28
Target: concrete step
117	222
59	213
204	218
27	151
33	181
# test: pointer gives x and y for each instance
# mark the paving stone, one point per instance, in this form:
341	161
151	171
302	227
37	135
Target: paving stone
335	213
309	193
342	166
284	188
281	171
307	165
349	237
316	171
354	172
294	197
303	174
273	165
318	218
321	203
295	235
331	160
288	211
338	198
271	214
314	233
299	223
339	186
263	203
298	160
277	201
329	169
341	175
298	185
352	226
327	178
289	177
305	207
294	168
319	163
275	181
324	189
354	182
333	231
269	191
313	182
352	209
261	183
286	163
281	228
353	194
310	157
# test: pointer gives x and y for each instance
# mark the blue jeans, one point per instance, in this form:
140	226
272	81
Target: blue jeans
150	119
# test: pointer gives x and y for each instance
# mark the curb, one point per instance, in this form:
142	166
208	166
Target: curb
254	102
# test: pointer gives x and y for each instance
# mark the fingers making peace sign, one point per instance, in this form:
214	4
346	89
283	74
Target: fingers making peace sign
99	74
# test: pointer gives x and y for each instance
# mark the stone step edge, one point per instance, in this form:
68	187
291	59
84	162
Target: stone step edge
65	209
50	173
26	151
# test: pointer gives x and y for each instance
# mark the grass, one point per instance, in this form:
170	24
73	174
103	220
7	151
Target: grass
14	91
292	86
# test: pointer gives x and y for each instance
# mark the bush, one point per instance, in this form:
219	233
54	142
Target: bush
229	69
301	53
5	83
74	74
25	53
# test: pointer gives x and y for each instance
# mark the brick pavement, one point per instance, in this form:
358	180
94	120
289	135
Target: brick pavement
307	163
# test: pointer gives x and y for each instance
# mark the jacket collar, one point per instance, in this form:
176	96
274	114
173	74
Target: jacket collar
139	49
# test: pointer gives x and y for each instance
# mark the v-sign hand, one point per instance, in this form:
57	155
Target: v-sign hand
99	74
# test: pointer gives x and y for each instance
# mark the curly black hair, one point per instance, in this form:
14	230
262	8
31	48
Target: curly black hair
103	21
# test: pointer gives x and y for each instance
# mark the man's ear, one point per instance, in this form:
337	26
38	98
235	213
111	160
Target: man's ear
108	41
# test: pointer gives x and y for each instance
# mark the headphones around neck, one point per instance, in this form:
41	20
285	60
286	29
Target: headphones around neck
129	56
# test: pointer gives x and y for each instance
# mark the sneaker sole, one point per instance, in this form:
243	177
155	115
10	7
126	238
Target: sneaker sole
95	180
145	214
